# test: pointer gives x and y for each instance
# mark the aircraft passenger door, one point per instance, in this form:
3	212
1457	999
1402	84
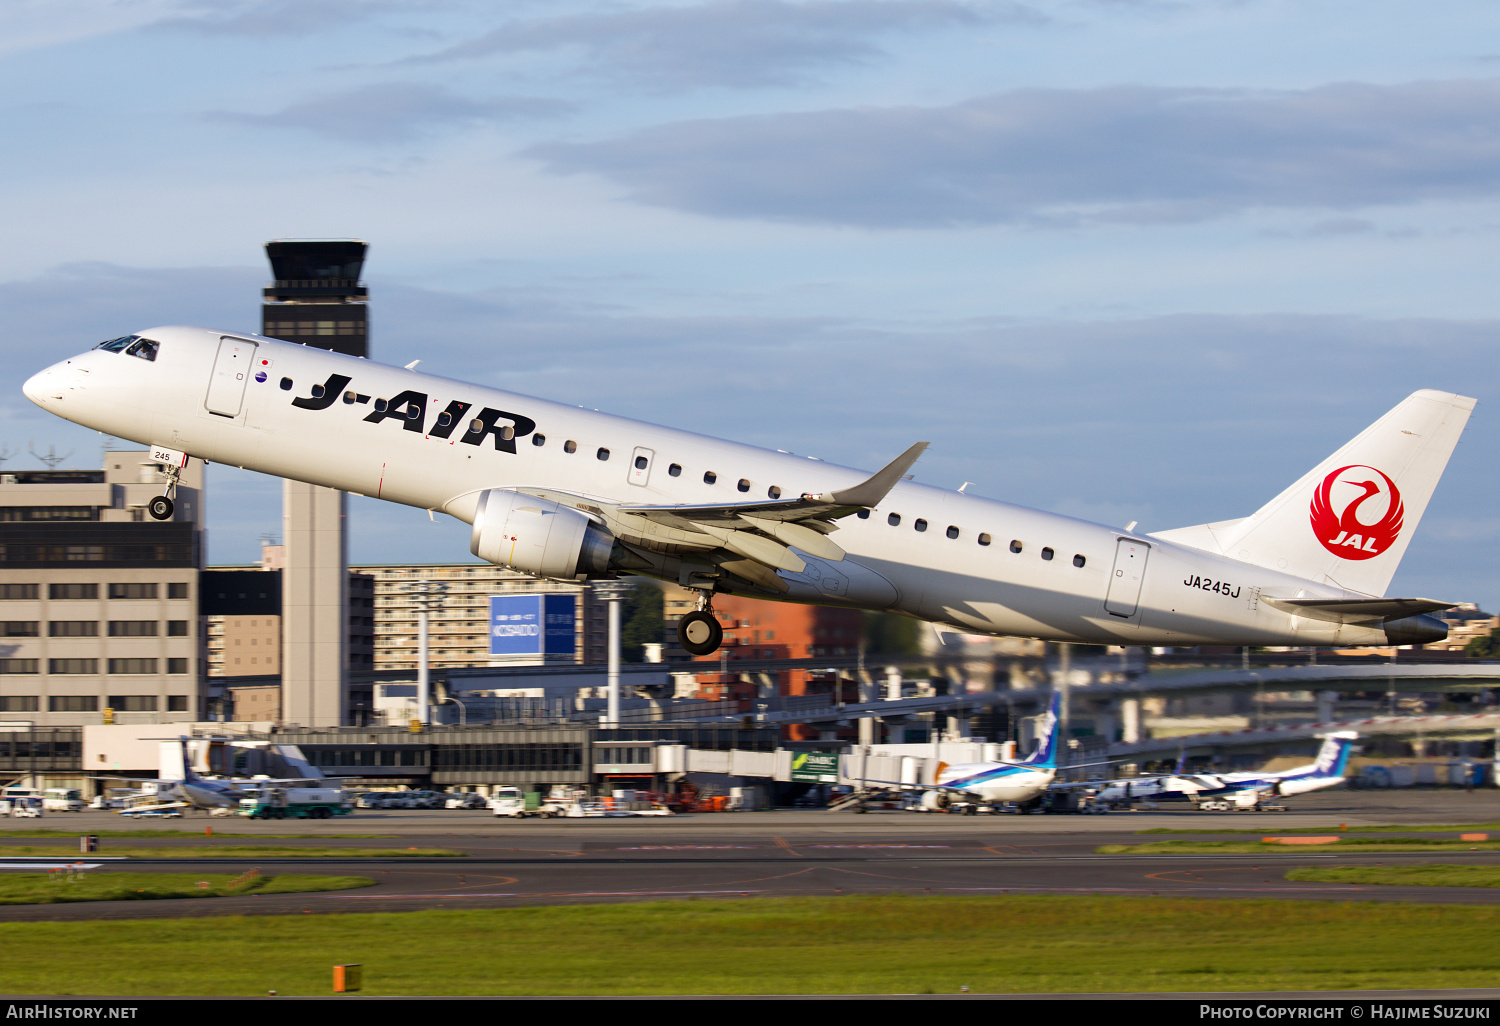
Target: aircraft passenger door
226	388
640	466
1125	580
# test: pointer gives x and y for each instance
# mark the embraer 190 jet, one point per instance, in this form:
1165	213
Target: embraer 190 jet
570	494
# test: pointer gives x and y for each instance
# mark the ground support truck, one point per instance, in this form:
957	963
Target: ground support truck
297	803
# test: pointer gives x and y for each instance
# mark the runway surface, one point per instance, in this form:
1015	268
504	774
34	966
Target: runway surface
784	853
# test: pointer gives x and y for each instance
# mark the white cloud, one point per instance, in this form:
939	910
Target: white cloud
1065	157
732	43
394	112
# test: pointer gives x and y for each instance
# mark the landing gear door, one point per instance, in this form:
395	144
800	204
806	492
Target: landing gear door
1124	596
226	388
640	466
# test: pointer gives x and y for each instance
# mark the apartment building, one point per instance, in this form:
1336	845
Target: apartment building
459	626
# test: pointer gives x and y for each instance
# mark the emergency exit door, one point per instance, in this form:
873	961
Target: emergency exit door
1125	580
226	388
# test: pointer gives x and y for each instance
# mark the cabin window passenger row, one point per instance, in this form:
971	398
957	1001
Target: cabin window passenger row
570	446
744	485
984	539
709	477
1079	561
538	439
920	525
675	470
603	454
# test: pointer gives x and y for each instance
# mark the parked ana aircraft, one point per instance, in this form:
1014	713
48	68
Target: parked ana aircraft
991	783
201	792
570	494
1220	791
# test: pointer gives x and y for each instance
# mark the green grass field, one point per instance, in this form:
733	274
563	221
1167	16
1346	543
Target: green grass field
179	834
1390	828
56	888
209	851
846	945
1366	844
1422	875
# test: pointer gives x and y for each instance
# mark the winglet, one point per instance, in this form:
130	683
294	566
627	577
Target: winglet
869	493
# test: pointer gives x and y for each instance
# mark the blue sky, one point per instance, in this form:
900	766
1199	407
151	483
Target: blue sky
1125	260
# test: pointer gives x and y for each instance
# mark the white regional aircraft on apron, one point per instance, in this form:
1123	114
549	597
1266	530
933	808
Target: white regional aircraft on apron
570	494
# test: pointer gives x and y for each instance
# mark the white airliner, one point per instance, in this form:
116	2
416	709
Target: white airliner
1219	791
993	783
571	494
200	792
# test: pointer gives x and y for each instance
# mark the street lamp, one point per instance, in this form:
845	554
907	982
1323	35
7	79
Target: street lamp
427	596
613	592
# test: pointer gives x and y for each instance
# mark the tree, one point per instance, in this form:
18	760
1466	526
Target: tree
891	634
640	620
1486	647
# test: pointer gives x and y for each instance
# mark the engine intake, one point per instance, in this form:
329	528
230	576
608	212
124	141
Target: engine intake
538	537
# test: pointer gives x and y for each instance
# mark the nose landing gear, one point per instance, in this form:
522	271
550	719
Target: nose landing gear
162	506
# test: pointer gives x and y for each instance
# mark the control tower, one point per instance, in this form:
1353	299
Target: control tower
316	299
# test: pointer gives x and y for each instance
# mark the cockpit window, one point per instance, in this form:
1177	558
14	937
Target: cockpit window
116	345
144	348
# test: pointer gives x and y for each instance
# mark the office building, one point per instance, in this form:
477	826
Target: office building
98	602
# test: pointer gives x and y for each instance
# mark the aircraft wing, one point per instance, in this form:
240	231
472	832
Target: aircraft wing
749	539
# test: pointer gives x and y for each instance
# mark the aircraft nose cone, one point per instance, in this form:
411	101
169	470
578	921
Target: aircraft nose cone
44	387
36	386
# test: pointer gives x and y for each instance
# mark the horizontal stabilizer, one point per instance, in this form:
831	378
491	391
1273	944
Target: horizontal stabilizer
1358	610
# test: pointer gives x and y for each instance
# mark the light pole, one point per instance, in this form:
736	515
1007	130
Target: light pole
427	596
613	592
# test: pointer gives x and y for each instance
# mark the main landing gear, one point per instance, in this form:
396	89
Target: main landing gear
161	507
700	632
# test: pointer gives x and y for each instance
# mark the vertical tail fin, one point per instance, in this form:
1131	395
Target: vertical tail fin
189	775
1348	521
1045	757
1333	757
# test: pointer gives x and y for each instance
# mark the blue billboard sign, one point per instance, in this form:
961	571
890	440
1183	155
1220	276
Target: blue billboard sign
533	625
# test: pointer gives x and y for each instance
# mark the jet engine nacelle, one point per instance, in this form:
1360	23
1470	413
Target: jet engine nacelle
936	801
538	537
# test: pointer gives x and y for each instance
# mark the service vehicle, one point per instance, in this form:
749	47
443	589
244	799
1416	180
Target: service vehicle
63	799
296	803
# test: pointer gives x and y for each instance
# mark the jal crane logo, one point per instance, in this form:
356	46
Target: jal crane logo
1365	494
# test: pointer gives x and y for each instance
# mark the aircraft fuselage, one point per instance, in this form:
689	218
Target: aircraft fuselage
434	443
